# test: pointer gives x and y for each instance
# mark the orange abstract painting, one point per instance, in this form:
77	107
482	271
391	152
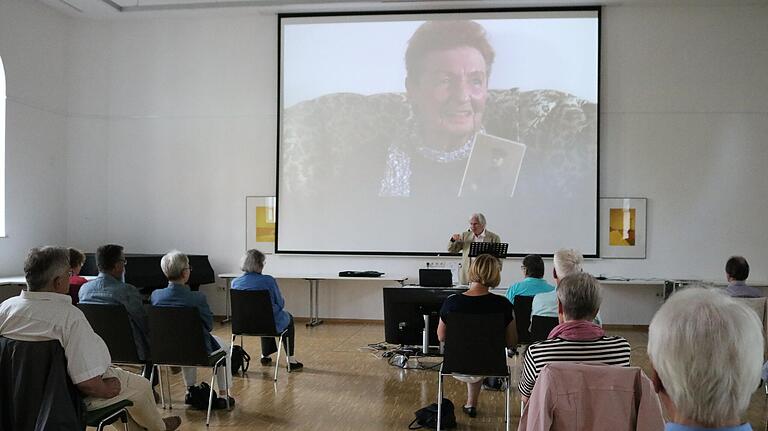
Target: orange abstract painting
622	227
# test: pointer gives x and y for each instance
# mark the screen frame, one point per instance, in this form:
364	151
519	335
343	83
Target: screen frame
280	16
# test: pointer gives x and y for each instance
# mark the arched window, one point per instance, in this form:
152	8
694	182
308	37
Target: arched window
2	149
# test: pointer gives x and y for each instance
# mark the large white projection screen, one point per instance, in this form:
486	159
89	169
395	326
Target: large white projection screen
395	128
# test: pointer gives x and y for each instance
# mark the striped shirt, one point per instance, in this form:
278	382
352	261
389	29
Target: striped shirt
605	350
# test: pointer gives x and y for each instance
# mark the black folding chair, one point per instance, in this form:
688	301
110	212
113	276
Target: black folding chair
475	346
252	316
541	327
113	324
37	393
523	306
178	339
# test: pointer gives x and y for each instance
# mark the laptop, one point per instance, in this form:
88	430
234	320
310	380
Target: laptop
435	278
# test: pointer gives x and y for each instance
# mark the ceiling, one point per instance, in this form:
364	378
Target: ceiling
114	9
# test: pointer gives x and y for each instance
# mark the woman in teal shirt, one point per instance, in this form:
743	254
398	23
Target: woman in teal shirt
533	270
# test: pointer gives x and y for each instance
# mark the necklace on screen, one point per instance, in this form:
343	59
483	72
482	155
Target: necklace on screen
441	156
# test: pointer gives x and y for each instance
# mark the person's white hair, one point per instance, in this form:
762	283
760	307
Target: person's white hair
480	218
579	294
707	350
173	264
44	264
567	261
252	261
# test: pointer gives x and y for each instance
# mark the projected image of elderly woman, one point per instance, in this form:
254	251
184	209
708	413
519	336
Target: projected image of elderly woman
448	64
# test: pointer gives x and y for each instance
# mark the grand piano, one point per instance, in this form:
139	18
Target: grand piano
143	271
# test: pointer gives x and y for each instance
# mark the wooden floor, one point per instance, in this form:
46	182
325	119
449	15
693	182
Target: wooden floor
346	387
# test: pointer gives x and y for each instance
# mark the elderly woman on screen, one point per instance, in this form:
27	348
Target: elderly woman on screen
253	279
577	338
484	274
706	350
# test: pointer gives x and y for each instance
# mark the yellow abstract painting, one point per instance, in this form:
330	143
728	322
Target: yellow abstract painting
265	224
622	227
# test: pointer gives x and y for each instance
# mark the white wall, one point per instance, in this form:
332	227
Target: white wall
33	44
172	123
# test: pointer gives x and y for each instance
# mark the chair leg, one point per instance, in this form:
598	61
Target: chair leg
231	351
439	399
124	420
210	398
161	382
277	362
506	402
168	386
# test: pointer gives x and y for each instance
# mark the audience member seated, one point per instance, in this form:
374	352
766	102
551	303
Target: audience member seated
44	311
484	274
253	264
736	272
109	288
175	266
564	263
76	261
533	283
576	338
706	351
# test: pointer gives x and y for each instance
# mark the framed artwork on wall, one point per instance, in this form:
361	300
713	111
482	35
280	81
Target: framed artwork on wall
623	223
260	223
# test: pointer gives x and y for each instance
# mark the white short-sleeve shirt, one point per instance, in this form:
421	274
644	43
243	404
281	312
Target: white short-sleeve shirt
43	316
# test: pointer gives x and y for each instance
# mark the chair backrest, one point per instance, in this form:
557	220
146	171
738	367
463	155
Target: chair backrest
252	313
592	396
541	327
74	293
475	344
112	323
36	392
759	306
177	336
523	306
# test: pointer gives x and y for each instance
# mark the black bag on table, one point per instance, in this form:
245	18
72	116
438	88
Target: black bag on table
426	417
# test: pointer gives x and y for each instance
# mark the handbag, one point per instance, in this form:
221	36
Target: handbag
426	417
240	360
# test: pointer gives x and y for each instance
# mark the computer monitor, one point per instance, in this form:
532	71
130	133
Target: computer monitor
435	278
404	310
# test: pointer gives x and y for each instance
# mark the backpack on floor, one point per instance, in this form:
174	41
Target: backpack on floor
240	360
427	417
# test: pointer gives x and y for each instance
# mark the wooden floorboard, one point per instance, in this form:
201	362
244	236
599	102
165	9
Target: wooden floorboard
346	387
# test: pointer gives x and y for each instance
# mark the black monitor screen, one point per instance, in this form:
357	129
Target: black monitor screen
404	310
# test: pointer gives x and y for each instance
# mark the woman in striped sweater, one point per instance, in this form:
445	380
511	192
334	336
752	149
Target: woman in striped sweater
576	338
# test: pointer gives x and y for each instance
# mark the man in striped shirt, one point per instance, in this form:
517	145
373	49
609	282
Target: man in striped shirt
576	338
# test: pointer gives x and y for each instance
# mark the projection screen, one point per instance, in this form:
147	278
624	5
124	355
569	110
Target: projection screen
394	128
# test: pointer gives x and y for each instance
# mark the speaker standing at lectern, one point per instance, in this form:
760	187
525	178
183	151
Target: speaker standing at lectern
460	242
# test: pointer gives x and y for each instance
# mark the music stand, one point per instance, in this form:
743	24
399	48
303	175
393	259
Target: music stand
496	249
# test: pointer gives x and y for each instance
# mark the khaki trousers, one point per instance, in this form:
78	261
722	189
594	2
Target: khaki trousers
143	415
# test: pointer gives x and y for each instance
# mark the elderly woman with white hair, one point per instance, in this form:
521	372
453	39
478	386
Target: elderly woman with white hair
577	338
252	279
706	350
175	266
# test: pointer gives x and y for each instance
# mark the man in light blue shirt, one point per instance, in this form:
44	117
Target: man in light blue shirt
706	350
533	284
565	262
108	288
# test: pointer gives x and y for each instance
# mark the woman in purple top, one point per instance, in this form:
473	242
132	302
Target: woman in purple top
253	279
